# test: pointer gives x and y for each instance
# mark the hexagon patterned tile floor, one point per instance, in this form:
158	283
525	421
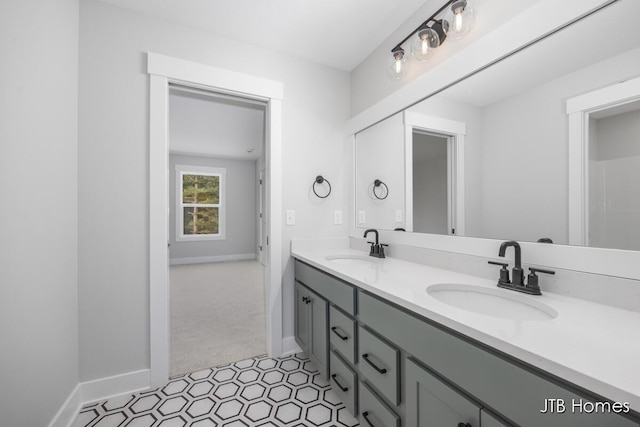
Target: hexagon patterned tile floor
255	392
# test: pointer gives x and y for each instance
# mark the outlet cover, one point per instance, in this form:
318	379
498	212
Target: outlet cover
337	217
291	217
398	216
362	217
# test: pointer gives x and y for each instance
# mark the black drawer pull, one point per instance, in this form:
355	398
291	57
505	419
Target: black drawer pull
335	379
365	414
464	425
334	329
380	370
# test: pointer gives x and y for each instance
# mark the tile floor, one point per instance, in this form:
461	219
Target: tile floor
256	392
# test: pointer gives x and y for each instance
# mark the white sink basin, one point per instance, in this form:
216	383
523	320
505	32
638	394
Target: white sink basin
492	301
351	259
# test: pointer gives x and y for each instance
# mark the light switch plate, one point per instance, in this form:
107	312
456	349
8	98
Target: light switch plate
291	217
337	217
362	217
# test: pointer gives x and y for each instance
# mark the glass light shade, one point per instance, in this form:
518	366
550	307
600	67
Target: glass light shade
423	44
459	19
397	68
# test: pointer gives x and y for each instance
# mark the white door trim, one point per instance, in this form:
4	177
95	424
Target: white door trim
579	108
164	70
456	132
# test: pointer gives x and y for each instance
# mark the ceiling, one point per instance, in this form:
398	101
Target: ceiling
214	125
336	33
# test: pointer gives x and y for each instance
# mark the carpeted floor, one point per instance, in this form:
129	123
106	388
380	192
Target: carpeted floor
217	314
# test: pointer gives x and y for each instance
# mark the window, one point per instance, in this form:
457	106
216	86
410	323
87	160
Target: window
199	203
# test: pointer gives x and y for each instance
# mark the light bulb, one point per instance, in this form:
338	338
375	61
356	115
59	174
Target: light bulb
459	20
397	68
422	46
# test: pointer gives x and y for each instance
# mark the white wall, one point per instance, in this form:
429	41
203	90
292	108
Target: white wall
113	175
38	187
240	209
380	155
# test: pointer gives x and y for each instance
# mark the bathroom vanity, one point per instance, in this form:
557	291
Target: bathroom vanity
398	356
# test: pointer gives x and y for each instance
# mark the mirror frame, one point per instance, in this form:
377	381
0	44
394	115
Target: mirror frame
550	17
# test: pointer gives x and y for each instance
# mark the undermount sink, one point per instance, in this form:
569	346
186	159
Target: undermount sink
351	259
492	301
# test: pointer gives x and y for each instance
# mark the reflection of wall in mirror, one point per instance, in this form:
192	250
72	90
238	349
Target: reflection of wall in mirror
516	153
614	181
380	155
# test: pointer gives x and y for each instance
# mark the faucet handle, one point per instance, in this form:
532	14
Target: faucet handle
504	272
532	279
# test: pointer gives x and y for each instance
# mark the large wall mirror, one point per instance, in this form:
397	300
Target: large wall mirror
542	146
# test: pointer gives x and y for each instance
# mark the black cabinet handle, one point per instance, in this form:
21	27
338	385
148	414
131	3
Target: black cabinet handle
334	329
380	370
365	414
335	379
464	425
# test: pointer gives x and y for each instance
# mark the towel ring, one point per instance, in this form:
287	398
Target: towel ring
319	180
378	184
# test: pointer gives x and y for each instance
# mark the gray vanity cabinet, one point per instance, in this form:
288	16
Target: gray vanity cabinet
398	369
311	326
433	403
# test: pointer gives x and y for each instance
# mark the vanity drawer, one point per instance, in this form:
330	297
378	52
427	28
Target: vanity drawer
344	382
515	390
373	411
338	292
342	333
379	362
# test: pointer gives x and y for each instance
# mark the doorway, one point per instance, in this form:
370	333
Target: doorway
164	70
216	289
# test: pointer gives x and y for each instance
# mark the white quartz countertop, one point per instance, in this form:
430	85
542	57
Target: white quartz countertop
592	345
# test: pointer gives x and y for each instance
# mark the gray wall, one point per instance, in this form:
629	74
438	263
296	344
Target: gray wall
114	167
38	188
240	207
430	191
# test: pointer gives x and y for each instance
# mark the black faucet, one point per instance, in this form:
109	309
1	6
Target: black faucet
377	249
517	273
517	284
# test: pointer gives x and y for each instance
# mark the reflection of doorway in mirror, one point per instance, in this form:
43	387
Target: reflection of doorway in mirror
614	177
604	167
434	167
431	183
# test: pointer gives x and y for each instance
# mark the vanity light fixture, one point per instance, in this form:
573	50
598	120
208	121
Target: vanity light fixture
457	20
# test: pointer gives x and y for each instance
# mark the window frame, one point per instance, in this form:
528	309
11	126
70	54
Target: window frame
181	171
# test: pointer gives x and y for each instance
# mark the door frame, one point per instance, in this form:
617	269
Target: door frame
162	71
579	108
455	132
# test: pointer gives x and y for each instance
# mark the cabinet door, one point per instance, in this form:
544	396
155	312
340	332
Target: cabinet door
302	320
319	333
432	403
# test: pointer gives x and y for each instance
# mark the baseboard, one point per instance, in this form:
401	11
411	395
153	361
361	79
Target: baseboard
69	410
290	346
106	388
215	258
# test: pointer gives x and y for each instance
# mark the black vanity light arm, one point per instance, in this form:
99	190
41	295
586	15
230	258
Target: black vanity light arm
424	24
376	184
320	180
